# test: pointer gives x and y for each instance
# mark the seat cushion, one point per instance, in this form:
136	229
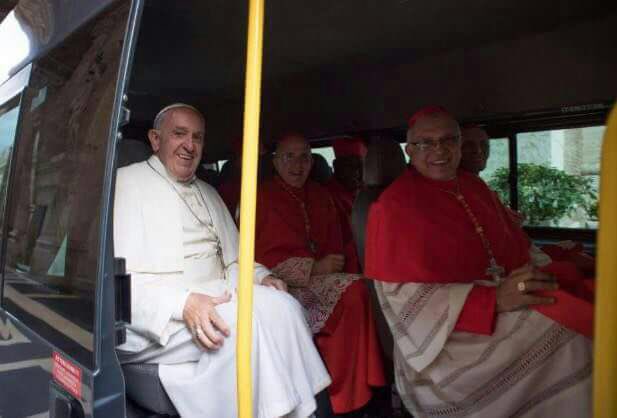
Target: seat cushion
132	151
144	387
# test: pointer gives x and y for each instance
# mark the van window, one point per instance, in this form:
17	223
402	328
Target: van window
326	152
56	192
220	164
403	147
558	174
498	166
9	114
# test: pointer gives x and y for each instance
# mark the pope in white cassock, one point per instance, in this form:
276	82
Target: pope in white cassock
181	249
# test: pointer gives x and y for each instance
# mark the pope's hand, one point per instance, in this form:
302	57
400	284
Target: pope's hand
272	281
516	291
204	322
332	263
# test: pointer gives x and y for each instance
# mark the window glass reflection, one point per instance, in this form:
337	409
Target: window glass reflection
9	114
52	250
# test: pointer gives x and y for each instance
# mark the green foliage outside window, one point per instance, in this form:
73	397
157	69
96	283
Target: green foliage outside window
547	194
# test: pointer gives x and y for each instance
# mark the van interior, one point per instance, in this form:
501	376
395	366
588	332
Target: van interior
341	67
538	75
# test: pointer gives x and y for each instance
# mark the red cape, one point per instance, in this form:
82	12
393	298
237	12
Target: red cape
418	232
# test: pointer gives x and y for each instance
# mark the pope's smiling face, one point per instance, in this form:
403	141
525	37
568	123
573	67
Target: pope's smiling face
179	142
434	146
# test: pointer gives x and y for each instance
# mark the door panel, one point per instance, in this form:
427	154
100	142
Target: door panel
53	226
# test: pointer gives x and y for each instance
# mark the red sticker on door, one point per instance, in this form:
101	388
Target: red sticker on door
67	374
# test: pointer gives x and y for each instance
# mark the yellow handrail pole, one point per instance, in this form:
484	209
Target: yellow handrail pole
605	340
252	101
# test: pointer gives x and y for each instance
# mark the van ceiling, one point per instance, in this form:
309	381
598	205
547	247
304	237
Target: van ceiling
5	7
192	48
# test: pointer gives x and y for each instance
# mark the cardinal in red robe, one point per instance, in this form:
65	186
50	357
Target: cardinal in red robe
298	236
476	320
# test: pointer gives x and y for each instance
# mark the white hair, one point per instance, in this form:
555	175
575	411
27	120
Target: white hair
158	119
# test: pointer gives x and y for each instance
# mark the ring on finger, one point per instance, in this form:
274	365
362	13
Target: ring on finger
522	287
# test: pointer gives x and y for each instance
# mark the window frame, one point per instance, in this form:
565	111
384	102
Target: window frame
566	117
12	89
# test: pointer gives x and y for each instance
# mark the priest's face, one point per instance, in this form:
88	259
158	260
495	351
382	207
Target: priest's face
434	146
348	171
293	160
475	150
179	142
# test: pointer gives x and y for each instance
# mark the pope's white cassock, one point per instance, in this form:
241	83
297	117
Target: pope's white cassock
179	238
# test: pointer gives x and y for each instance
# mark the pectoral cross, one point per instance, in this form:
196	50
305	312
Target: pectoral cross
219	255
495	270
312	246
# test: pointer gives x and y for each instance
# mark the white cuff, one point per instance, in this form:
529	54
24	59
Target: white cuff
260	273
178	313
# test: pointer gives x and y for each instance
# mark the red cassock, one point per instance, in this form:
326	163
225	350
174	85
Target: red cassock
419	232
348	341
343	201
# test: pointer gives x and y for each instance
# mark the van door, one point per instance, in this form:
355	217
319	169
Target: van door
62	114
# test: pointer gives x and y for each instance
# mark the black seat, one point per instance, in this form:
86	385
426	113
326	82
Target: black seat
133	151
383	163
146	397
145	394
320	171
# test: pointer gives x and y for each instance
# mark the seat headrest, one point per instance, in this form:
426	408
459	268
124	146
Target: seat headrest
321	171
232	169
383	163
229	171
133	151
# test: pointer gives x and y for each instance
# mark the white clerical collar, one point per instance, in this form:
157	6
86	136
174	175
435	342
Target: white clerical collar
155	162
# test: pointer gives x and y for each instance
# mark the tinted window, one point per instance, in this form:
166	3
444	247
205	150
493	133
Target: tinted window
9	114
403	146
326	152
558	174
52	252
497	169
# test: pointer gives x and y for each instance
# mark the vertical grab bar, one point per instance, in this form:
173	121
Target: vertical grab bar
252	101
